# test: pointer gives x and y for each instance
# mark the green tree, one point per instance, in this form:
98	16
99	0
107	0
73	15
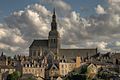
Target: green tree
14	76
10	77
17	74
78	74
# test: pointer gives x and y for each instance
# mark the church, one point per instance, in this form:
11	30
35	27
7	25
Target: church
53	45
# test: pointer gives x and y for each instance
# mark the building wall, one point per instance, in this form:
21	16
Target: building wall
2	62
9	70
73	53
91	71
36	51
65	68
0	76
36	71
78	61
53	73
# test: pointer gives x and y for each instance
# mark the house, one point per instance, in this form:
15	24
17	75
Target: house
36	70
5	70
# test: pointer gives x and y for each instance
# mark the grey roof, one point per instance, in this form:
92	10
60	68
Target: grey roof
72	53
6	67
100	63
56	66
39	43
116	55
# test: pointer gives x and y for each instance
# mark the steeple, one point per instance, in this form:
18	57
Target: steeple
54	37
54	16
54	24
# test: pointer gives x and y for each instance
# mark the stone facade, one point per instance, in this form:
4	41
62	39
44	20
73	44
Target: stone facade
38	72
65	67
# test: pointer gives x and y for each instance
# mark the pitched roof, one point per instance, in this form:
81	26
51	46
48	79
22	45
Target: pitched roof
72	53
39	43
6	67
116	55
54	66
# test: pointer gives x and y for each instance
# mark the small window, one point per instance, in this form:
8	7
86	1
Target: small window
62	66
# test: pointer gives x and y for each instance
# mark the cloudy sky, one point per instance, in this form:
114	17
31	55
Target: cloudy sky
81	23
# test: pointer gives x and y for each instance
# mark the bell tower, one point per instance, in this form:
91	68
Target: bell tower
54	36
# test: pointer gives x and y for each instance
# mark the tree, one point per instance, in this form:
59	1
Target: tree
85	72
10	77
78	74
17	74
14	76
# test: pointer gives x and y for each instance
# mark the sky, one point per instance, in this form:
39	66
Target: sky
9	6
81	23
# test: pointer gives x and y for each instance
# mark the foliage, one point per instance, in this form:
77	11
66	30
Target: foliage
83	73
17	74
83	69
105	74
79	74
10	77
14	76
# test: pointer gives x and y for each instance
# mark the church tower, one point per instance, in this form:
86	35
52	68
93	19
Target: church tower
54	36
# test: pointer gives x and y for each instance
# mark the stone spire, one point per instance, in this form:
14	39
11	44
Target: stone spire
54	15
54	24
54	37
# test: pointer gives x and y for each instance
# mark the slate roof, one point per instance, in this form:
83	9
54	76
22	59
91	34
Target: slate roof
72	53
39	43
96	55
100	63
6	67
55	66
116	55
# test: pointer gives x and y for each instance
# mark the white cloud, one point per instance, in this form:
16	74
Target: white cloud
38	9
100	10
2	33
101	45
18	39
62	5
11	40
113	1
117	43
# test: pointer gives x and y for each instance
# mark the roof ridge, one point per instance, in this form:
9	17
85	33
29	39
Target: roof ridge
40	39
77	48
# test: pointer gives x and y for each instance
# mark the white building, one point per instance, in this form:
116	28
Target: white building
66	67
37	71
